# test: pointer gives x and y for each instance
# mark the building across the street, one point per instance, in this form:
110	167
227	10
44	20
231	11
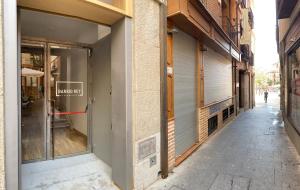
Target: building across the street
138	85
288	40
273	74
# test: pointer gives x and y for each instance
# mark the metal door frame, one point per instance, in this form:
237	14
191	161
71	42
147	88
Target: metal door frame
44	46
48	145
50	133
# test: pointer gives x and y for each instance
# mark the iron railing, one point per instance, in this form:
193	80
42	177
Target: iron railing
231	30
245	52
204	2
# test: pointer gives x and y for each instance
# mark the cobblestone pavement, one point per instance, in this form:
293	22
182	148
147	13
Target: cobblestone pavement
252	153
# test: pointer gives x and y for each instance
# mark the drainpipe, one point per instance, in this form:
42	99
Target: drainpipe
163	88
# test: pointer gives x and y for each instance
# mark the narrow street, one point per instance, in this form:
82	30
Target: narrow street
253	152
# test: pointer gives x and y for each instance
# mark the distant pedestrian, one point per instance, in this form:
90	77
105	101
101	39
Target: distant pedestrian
266	94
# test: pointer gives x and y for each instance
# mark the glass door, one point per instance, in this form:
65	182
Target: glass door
33	104
68	100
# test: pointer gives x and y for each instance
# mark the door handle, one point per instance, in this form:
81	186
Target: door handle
86	108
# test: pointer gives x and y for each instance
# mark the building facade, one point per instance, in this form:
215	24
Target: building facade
210	73
288	23
245	69
273	74
138	84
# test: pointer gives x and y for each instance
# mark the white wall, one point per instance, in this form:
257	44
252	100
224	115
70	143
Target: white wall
217	77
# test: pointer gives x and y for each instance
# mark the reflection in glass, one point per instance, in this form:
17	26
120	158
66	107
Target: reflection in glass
68	87
33	103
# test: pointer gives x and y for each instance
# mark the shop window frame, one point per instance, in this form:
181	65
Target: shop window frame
291	74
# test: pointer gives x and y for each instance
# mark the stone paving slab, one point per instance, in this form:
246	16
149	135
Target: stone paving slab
252	153
84	172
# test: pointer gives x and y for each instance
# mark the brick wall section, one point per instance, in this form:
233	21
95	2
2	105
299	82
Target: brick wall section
171	144
215	10
203	124
203	116
2	169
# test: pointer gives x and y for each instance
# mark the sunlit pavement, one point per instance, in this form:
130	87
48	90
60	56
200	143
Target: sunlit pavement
273	100
252	153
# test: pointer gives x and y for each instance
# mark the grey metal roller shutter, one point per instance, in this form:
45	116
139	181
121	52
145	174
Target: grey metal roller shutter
184	92
217	77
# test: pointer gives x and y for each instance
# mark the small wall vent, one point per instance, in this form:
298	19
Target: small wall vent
212	124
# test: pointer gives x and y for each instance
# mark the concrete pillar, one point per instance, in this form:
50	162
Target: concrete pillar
10	93
121	65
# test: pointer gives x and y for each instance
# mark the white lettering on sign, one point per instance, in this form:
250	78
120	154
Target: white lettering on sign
69	88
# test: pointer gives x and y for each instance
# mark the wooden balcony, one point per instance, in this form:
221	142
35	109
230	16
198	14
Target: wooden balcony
230	30
244	3
245	50
285	8
192	17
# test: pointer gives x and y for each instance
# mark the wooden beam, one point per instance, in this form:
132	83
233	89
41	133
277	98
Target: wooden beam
129	7
200	75
170	70
186	154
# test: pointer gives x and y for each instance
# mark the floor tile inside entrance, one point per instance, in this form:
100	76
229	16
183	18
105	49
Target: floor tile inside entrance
84	172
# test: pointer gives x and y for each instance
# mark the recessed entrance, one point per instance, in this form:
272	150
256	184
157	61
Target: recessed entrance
121	45
65	103
54	113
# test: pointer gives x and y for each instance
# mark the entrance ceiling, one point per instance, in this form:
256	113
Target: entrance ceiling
59	28
95	11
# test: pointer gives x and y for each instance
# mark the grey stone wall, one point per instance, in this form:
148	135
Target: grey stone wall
146	89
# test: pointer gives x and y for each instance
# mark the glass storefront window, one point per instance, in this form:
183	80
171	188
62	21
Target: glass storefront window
294	87
33	123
